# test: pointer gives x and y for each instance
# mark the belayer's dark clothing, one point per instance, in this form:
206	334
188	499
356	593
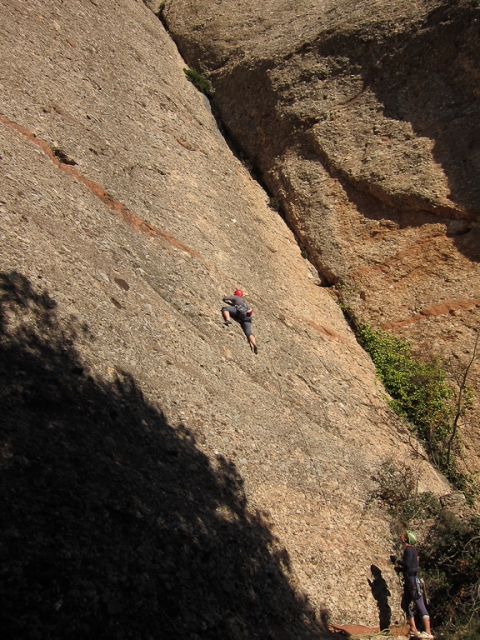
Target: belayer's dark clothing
409	561
412	587
238	309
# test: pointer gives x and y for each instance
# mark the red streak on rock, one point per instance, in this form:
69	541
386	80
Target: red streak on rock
435	310
325	331
114	205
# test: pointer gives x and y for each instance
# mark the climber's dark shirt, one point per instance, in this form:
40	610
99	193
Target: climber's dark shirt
236	301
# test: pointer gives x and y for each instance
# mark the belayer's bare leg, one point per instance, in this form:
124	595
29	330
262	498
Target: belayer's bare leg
426	624
413	627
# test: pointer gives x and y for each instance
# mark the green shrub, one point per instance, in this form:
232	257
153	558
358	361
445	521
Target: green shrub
450	554
418	389
274	204
199	81
397	490
160	14
451	563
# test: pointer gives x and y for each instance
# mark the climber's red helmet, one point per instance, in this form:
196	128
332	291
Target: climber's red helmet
238	292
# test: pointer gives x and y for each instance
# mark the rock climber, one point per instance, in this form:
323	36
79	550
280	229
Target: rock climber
412	586
239	311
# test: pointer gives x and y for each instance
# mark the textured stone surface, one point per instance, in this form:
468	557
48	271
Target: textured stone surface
362	119
156	474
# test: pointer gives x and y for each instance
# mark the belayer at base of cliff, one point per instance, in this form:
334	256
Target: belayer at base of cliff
239	311
413	587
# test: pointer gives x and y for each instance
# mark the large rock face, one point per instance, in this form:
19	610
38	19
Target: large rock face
363	119
158	478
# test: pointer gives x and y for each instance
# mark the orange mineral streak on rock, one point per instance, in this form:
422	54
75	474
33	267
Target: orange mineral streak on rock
114	205
325	331
435	310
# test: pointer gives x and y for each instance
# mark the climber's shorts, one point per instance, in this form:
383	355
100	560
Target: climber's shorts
245	324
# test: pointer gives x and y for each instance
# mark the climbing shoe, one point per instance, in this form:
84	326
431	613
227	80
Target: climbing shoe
227	322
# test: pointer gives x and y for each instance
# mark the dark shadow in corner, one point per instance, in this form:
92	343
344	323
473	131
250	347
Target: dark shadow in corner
114	524
429	80
381	594
424	73
425	76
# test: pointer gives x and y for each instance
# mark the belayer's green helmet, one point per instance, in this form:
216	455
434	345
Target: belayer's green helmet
411	537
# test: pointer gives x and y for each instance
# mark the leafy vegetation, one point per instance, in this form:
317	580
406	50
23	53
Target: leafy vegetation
274	203
450	554
199	81
160	15
421	394
451	563
397	489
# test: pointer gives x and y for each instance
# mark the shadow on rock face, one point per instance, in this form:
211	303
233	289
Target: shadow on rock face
381	593
424	73
115	525
430	79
